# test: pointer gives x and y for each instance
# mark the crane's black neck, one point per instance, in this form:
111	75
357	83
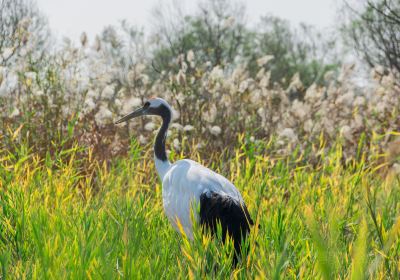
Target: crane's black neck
159	145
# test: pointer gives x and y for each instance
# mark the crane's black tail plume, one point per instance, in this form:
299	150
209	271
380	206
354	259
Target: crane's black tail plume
233	216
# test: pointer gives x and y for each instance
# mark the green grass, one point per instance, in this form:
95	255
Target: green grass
327	221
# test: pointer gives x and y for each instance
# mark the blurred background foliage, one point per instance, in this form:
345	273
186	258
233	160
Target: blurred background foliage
223	78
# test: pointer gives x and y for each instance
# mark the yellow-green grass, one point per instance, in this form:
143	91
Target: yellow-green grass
329	221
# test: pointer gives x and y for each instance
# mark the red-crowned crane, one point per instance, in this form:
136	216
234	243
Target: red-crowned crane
186	183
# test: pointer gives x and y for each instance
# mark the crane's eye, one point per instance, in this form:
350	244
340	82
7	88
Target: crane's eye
147	104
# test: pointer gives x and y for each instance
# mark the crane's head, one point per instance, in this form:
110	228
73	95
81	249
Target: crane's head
153	107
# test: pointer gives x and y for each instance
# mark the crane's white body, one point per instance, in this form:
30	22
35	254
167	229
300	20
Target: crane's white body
182	184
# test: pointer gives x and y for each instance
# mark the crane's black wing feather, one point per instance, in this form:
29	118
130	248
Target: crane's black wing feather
231	214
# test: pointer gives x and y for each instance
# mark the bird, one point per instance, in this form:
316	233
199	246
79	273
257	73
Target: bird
186	185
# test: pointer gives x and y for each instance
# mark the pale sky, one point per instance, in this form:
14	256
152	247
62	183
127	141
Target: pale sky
72	17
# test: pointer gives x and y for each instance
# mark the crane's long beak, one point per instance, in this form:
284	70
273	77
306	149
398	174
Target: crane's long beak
134	114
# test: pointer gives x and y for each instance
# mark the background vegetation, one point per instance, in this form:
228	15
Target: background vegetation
273	108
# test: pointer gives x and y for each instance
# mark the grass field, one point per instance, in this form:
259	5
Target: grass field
329	221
